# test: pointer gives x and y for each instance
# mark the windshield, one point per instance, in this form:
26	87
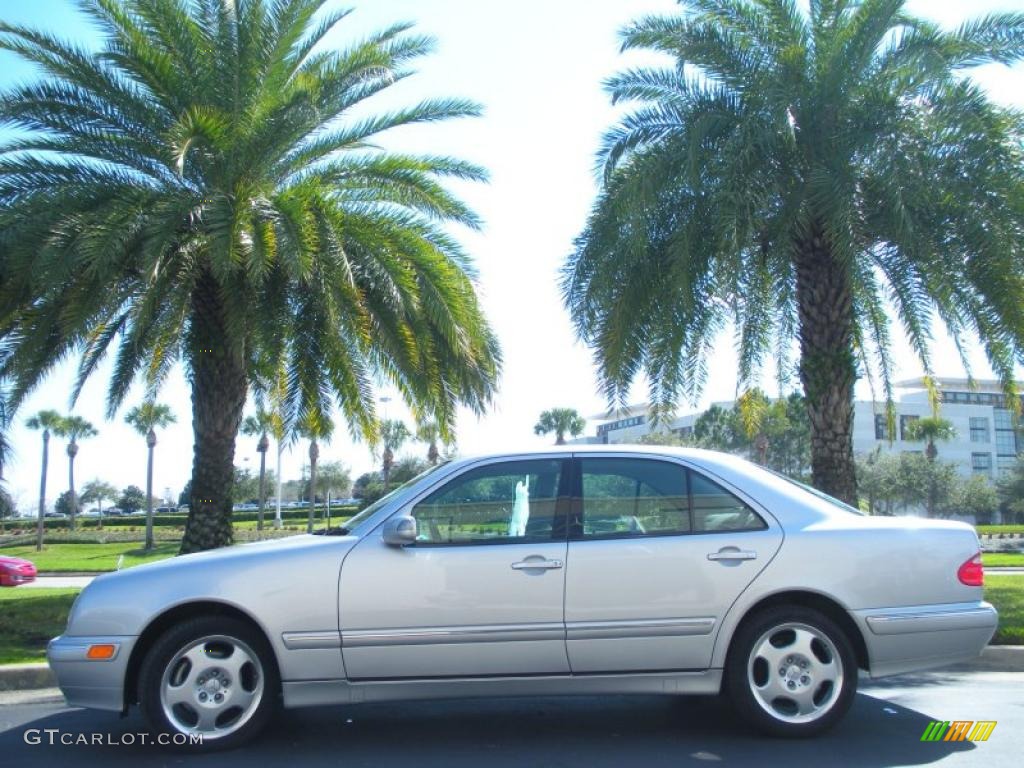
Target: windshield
815	492
361	517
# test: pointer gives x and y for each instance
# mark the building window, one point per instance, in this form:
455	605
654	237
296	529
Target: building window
1005	463
881	427
979	429
1006	443
1003	418
904	421
981	463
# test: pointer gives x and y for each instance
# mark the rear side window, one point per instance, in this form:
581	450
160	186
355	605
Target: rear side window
716	510
646	497
633	497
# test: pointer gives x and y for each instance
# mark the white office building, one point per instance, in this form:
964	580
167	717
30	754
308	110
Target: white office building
985	441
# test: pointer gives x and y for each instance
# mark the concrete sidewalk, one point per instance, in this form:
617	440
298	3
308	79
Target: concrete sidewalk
59	582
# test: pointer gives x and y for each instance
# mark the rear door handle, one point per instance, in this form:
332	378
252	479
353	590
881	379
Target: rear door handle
732	553
526	565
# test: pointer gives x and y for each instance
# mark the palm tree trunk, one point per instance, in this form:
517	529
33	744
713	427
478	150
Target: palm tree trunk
72	452
149	499
218	397
42	491
263	489
277	510
827	366
389	459
314	454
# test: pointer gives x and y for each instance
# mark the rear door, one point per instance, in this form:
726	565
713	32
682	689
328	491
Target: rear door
658	552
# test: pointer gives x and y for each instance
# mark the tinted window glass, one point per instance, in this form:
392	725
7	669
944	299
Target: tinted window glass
633	497
499	503
715	509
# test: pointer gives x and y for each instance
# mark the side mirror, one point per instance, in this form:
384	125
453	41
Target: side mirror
400	531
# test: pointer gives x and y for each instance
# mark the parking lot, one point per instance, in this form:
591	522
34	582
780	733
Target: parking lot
883	729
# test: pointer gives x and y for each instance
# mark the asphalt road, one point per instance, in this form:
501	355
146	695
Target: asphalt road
883	728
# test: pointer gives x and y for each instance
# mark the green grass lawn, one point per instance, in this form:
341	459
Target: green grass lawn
28	619
90	557
1006	593
996	559
997	529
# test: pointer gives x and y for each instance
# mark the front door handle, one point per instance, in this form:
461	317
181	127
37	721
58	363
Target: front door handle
539	564
732	553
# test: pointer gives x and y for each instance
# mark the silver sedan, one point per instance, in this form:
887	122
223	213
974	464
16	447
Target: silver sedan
613	570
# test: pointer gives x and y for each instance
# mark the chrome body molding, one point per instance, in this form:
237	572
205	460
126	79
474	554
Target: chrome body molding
310	693
488	633
599	630
304	641
934	618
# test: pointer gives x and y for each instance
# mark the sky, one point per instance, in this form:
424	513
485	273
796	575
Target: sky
536	67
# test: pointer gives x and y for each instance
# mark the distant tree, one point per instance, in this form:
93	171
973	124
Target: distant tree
393	435
561	421
65	503
315	426
429	432
46	421
716	429
98	491
146	419
7	509
186	494
1010	490
929	430
977	496
261	424
74	428
132	499
333	477
246	485
369	486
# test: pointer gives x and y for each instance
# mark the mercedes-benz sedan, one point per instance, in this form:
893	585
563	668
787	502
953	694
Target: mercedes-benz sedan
652	570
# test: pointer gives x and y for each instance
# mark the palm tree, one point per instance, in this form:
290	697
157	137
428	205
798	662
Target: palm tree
791	172
146	419
560	421
260	424
314	426
47	421
208	187
428	432
98	491
930	429
393	435
74	428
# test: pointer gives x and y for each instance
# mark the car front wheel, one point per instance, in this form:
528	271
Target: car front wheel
791	672
208	683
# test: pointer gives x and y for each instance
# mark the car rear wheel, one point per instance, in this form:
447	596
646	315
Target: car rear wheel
791	672
212	677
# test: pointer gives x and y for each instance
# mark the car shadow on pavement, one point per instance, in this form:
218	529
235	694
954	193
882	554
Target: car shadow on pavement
557	731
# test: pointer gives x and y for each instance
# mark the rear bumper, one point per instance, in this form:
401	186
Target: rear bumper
96	684
913	638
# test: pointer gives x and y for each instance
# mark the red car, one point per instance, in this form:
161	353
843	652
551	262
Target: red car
15	571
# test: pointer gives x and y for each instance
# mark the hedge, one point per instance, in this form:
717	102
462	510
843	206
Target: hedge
174	519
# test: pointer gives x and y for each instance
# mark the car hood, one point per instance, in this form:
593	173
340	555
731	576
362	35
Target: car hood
290	548
15	562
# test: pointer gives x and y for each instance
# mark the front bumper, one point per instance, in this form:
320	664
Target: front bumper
92	683
913	638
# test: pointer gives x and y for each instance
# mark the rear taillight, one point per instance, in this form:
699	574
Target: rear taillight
971	573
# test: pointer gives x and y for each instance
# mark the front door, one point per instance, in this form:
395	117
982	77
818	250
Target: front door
479	593
657	555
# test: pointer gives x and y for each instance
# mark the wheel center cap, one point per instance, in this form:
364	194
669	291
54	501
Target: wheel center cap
212	685
793	672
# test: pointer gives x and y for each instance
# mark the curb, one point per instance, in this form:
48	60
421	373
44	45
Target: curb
68	574
995	658
25	677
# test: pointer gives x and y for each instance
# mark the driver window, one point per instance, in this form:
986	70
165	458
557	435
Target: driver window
510	502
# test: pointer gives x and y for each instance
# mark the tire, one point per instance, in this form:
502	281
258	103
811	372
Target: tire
214	676
791	672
